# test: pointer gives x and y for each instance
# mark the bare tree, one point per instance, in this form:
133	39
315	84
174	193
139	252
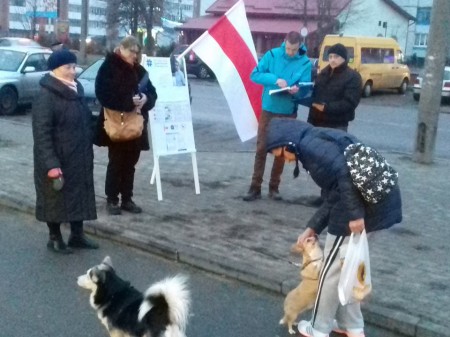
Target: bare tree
300	9
352	14
325	20
112	23
152	11
133	15
129	14
28	17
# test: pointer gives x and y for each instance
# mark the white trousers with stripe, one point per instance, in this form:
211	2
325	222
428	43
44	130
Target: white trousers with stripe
327	306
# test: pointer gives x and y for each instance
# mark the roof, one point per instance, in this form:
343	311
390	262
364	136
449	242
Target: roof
400	10
257	25
275	16
285	8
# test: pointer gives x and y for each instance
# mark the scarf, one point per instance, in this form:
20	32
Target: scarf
71	84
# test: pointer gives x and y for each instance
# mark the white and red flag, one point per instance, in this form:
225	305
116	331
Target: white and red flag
227	48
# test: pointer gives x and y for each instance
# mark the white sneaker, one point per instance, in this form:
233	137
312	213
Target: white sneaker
349	332
305	328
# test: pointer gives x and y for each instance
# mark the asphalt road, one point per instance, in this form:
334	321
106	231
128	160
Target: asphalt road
40	297
386	121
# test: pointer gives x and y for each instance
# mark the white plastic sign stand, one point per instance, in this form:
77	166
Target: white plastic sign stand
171	119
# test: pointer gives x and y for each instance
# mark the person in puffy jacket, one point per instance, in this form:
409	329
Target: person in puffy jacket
336	93
321	152
282	67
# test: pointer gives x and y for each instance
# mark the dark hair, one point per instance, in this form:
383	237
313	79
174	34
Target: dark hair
293	37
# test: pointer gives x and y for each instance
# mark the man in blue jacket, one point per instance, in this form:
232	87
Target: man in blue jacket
282	67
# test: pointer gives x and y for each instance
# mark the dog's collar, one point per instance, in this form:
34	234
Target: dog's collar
310	261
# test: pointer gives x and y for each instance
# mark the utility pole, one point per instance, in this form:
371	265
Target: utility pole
4	17
84	30
430	96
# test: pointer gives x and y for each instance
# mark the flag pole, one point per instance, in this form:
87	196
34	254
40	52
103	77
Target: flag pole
193	44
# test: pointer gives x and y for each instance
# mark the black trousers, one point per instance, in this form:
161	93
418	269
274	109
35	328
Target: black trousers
76	228
120	172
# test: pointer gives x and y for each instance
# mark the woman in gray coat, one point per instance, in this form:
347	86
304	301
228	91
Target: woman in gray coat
63	155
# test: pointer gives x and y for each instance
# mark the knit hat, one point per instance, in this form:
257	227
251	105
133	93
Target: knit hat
60	58
338	49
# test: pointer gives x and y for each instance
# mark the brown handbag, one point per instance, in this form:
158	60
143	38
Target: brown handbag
123	126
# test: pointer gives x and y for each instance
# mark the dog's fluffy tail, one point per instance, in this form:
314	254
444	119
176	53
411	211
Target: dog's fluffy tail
174	292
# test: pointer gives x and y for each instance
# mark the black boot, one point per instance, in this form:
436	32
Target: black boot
77	239
56	244
130	206
82	242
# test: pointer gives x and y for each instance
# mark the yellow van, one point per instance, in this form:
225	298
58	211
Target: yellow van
379	61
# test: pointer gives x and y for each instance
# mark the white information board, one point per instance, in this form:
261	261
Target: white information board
171	119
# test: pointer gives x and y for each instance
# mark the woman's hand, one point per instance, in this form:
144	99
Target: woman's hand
307	233
357	226
54	173
139	101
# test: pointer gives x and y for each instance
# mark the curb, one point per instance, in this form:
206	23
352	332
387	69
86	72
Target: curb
391	322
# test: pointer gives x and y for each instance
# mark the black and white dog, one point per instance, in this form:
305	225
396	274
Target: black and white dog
161	311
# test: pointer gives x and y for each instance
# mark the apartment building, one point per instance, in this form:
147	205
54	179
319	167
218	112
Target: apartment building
48	18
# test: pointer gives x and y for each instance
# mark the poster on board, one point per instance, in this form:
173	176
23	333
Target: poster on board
171	118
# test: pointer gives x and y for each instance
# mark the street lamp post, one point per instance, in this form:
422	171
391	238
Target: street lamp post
84	30
180	11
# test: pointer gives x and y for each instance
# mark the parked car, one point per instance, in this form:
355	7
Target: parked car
18	42
445	94
194	65
21	69
87	80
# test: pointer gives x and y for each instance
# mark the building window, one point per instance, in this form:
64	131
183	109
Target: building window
75	8
423	16
421	40
17	3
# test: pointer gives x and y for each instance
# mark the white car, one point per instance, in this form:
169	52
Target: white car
21	69
445	86
18	42
87	80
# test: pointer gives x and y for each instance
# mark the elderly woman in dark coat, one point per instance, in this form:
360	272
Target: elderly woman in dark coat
63	154
122	84
321	152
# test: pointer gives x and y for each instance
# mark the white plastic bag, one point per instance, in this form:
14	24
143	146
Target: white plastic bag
355	282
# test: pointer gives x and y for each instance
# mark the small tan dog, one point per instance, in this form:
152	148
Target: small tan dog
304	295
